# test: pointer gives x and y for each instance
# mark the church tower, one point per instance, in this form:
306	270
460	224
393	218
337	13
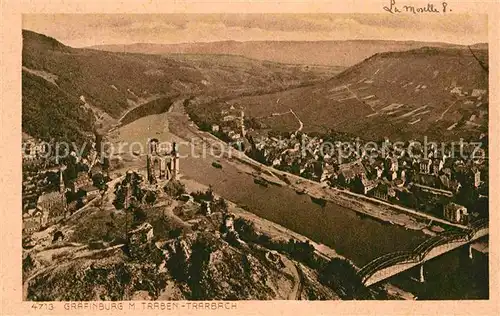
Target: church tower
62	187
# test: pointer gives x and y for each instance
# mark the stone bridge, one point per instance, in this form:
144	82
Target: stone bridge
393	263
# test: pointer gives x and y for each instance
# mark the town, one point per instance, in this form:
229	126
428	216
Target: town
448	180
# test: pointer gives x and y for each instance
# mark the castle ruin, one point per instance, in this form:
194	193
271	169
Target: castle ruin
162	166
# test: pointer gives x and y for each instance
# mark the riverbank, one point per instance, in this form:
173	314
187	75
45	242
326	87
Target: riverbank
272	229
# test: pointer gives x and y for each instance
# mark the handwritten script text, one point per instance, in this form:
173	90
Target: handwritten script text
429	8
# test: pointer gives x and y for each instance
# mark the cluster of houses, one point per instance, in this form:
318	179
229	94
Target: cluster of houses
51	194
232	125
385	172
32	149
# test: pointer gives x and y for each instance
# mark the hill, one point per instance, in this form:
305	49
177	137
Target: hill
177	254
49	112
438	92
108	84
333	53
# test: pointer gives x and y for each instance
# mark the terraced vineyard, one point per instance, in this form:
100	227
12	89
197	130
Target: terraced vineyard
430	91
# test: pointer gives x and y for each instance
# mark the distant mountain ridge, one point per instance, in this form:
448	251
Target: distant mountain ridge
333	53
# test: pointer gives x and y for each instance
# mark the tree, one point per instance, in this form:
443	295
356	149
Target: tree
119	192
246	229
110	227
99	181
198	264
177	264
130	185
174	188
302	251
341	276
150	197
208	195
467	196
139	216
220	205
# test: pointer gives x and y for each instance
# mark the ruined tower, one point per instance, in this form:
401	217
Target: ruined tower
160	165
151	159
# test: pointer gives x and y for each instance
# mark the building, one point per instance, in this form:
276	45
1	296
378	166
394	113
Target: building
90	192
436	167
205	208
229	222
476	177
368	185
31	148
455	213
383	192
82	180
425	166
391	164
33	220
53	204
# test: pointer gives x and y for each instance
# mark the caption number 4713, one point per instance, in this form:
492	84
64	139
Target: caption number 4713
43	306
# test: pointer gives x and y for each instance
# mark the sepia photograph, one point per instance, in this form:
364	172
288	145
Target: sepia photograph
255	156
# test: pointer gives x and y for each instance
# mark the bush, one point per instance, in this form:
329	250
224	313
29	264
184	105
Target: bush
220	206
174	188
139	216
150	197
208	195
303	252
246	229
341	276
177	264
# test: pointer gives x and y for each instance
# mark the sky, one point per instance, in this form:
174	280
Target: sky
80	30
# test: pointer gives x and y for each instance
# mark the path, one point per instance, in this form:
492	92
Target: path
301	125
447	109
300	282
357	98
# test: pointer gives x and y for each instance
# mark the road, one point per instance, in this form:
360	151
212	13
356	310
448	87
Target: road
301	125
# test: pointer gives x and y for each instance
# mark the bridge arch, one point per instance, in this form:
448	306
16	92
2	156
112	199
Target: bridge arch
373	271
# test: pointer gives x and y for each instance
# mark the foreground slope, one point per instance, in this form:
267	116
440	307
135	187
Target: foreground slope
436	92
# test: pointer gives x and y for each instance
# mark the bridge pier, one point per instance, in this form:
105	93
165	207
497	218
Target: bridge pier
422	276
